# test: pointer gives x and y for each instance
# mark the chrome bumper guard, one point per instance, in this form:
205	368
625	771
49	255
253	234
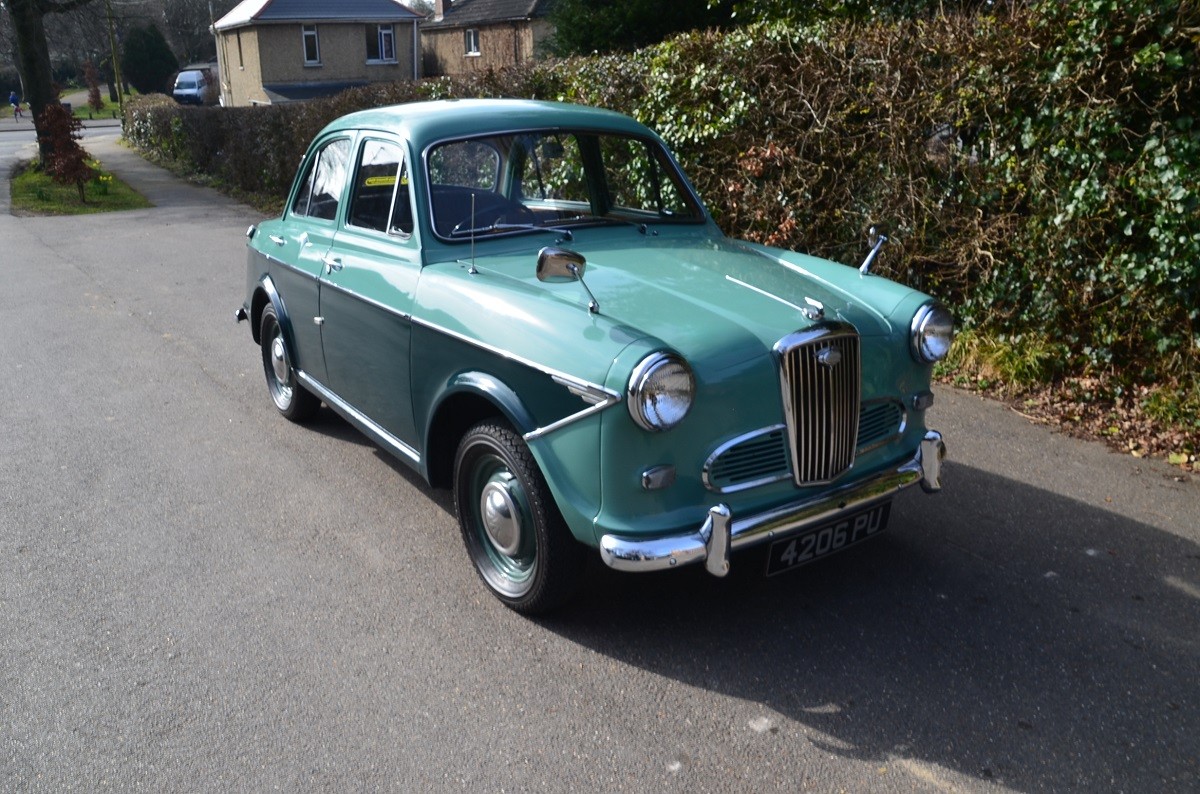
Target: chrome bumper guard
721	533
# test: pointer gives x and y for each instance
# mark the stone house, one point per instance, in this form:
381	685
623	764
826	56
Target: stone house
285	50
464	36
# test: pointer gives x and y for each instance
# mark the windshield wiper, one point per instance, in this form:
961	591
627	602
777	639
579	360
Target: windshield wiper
513	227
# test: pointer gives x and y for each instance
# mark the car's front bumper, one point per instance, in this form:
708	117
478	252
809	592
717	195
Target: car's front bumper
722	532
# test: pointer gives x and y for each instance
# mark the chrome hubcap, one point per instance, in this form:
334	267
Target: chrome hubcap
279	360
501	517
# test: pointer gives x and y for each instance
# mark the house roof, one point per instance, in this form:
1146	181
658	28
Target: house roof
252	12
484	12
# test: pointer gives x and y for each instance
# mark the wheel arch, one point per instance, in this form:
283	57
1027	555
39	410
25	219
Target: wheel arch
468	399
266	293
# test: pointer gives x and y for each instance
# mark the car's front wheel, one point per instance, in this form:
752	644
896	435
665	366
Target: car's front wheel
512	529
292	400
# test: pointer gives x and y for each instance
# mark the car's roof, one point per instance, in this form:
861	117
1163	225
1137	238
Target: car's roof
427	122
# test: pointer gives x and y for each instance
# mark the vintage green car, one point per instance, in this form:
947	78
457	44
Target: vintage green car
528	303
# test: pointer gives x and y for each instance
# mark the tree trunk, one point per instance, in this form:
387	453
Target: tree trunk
33	61
33	56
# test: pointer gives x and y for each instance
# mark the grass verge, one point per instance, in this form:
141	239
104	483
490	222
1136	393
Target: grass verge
110	110
1028	373
35	193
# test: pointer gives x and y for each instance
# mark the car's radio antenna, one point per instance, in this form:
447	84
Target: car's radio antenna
472	269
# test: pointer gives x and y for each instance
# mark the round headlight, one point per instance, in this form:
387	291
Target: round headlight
932	333
661	390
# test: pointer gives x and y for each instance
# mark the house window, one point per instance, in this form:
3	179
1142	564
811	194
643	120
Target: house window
381	44
241	63
312	47
472	42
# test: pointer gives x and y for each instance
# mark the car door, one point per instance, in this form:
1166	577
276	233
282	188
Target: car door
367	292
307	233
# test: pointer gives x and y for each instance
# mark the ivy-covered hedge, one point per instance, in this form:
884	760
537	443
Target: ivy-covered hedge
1038	168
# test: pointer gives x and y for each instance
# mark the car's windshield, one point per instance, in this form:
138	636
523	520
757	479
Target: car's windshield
515	183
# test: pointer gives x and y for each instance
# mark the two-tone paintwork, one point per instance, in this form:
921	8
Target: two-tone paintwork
413	338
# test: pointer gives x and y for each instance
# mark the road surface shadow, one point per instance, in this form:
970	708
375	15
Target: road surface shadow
996	630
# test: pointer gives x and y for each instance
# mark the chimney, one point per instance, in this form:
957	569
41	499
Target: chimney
440	7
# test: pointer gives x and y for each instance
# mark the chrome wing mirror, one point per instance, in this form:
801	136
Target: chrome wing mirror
559	266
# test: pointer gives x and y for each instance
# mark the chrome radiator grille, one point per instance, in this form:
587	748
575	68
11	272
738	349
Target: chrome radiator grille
820	374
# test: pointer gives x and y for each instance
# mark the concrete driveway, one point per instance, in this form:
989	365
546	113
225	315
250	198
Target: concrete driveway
196	595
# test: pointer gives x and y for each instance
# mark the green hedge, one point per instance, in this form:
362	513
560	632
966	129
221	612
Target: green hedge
1037	168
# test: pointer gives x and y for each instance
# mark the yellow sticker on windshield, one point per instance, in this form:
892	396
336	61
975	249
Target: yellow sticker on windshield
379	181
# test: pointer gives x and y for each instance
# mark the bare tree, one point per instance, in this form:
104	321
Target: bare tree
81	35
27	18
187	23
9	76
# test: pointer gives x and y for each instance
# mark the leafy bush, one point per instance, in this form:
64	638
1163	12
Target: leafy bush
1037	166
67	163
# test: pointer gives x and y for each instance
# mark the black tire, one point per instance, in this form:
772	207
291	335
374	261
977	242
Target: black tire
514	534
292	399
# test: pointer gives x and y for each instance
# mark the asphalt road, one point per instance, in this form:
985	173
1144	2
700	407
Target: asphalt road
196	595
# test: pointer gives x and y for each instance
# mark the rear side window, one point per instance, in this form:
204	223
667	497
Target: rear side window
321	190
381	195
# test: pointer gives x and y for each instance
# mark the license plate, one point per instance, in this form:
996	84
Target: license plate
848	530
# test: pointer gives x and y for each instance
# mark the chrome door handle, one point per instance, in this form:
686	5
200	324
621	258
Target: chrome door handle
332	263
275	238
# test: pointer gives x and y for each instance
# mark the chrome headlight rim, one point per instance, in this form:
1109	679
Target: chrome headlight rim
932	333
648	417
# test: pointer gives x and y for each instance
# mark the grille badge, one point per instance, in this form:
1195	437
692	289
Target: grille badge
829	357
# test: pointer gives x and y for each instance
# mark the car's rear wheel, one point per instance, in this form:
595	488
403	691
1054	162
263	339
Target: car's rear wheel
511	527
292	400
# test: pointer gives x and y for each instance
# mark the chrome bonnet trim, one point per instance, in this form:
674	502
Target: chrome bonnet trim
721	531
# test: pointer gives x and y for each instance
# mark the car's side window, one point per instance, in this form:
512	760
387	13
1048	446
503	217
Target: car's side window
321	190
381	199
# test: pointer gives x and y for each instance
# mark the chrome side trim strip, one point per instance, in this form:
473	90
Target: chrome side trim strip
595	408
562	377
327	284
583	391
359	420
274	260
599	397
